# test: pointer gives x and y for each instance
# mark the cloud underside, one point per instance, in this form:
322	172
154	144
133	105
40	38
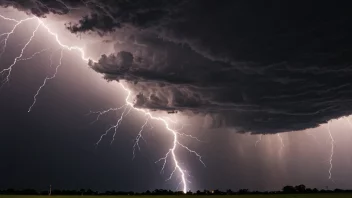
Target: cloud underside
262	67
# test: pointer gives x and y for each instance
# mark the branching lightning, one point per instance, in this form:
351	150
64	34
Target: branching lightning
46	80
187	135
116	126
175	133
128	105
101	113
9	69
138	137
8	34
34	55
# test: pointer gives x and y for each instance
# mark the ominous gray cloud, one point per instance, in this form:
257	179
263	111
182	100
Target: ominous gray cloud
259	66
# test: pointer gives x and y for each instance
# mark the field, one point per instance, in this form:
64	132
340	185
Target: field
198	196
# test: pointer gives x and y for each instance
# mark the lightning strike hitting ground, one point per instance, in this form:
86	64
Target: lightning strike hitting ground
175	133
176	144
260	139
332	142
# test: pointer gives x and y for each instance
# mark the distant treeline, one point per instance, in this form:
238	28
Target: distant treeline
299	189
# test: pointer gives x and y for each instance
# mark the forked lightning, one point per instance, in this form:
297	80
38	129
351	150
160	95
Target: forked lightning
45	80
128	105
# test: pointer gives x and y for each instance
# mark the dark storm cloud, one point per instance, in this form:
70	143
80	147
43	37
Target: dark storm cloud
39	8
264	67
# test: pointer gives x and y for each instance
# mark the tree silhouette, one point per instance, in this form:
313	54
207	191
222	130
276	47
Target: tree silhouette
288	189
243	191
300	188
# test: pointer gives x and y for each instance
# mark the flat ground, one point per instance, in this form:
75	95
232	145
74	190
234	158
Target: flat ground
195	196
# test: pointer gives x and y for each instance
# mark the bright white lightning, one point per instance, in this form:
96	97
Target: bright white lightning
138	137
46	80
165	160
129	110
260	139
175	133
8	34
115	126
187	135
171	152
9	69
177	167
193	152
332	142
100	113
34	54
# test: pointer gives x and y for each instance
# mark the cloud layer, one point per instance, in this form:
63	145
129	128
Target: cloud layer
263	67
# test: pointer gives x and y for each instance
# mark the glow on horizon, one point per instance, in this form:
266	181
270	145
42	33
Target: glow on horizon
166	121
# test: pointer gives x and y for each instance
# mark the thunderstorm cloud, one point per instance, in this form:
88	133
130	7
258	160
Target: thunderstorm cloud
257	66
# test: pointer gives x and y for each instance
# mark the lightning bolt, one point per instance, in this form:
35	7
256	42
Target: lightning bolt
139	136
260	139
332	142
313	136
115	126
101	113
8	34
349	122
9	69
46	80
282	142
187	135
34	55
175	133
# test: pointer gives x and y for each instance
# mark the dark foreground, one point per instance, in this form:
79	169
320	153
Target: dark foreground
329	195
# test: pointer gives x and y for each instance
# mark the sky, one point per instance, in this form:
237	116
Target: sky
257	95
